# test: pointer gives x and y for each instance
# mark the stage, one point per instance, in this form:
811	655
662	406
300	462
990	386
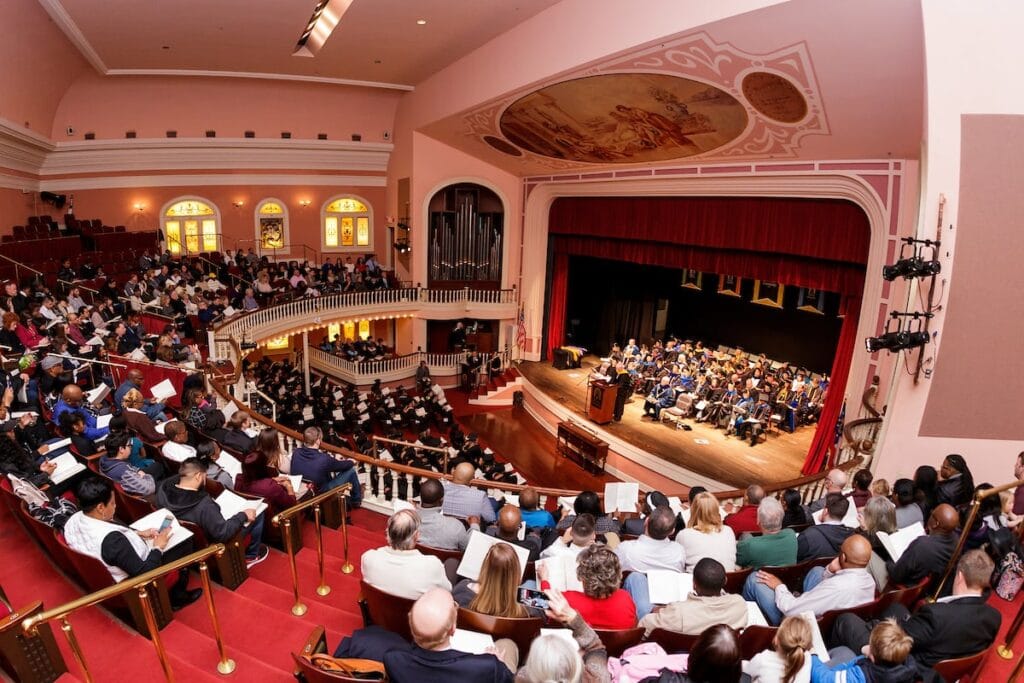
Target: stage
725	459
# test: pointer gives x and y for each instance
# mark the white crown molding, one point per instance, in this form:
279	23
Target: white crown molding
206	179
22	149
204	73
15	182
66	24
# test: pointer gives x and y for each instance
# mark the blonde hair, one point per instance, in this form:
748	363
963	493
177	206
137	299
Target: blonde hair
705	516
880	487
790	642
889	643
132	399
499	579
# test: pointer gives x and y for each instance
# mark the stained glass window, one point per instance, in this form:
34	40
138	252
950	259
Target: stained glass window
271	225
191	226
277	344
346	224
364	329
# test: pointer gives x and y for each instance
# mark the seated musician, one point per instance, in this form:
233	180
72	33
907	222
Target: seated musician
661	397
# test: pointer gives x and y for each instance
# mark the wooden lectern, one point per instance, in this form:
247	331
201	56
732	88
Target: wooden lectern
601	400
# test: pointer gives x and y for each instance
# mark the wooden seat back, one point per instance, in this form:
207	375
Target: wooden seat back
29	658
229	569
952	670
793	575
130	508
44	535
521	631
385	610
672	641
619	640
756	639
904	595
734	580
440	553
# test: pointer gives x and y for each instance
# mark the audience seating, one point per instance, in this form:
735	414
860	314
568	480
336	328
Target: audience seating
672	641
130	508
228	569
794	574
754	639
385	610
44	535
620	640
905	595
521	631
952	670
29	658
734	580
440	553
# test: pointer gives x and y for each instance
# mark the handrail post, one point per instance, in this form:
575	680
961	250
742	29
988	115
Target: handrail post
346	567
154	633
323	589
225	665
298	609
955	557
76	649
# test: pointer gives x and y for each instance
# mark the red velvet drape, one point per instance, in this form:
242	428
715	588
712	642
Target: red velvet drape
557	301
825	434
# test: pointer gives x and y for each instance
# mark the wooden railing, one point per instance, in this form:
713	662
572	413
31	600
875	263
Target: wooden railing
143	585
444	362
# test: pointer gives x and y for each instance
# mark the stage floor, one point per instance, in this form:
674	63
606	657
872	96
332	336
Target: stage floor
726	459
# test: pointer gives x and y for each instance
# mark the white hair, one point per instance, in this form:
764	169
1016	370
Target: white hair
553	660
770	514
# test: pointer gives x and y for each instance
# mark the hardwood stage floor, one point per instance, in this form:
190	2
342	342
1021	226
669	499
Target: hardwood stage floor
726	459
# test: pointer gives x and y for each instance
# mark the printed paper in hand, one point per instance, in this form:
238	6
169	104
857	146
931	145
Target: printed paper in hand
420	412
898	541
621	497
471	641
361	407
338	395
231	504
163	391
562	572
476	551
229	409
397	504
338	414
56	447
98	394
155	519
512	499
103	421
754	615
665	586
307	413
817	642
229	464
160	427
567	503
676	504
67	467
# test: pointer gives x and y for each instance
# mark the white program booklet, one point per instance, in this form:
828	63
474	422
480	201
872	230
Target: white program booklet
817	642
397	504
103	421
67	467
231	504
476	550
472	642
851	520
229	464
898	541
307	413
755	617
229	409
562	572
338	414
621	496
94	396
666	586
567	503
163	391
155	519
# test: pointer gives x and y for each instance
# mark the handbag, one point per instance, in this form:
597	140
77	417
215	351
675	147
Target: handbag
363	669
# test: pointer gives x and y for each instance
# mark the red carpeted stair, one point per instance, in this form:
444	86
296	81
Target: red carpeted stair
257	624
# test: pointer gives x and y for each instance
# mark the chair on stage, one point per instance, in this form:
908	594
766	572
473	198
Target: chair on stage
678	412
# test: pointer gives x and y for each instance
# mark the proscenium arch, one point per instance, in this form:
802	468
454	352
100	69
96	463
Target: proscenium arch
347	250
219	224
256	222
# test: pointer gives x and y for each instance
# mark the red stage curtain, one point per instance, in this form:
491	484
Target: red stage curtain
557	301
825	434
153	374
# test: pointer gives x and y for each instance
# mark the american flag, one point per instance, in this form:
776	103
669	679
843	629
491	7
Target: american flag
521	330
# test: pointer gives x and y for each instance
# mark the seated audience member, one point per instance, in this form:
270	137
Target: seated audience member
398	568
71	400
653	550
880	487
653	499
125	552
185	495
535	518
878	515
887	658
259	479
507	529
72	425
745	519
861	493
774	547
553	659
706	606
928	555
577	537
602	604
587	502
176	447
137	419
495	592
464	501
234	436
706	536
52	378
154	410
789	660
926	489
17	459
437	529
200	413
715	657
114	464
322	469
835	482
956	484
219	465
960	625
432	622
907	510
795	514
825	539
844	583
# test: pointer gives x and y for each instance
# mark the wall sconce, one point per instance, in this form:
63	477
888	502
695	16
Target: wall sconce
140	207
304	203
239	204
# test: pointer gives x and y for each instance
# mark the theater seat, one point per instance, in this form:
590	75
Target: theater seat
385	610
619	640
952	670
521	631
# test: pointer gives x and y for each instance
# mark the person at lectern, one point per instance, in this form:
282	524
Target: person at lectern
624	380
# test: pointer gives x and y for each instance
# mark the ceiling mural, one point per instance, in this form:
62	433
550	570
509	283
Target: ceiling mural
691	97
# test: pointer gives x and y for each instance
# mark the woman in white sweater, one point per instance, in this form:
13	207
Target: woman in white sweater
706	536
790	661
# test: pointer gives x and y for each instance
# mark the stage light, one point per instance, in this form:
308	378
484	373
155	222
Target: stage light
914	265
890	341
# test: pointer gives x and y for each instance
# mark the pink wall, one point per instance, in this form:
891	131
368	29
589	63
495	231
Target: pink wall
115	207
38	65
15	208
152	105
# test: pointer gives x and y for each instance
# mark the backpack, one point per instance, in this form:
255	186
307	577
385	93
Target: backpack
643	661
1006	552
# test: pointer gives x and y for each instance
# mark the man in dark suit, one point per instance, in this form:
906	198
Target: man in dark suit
825	539
432	622
957	626
928	555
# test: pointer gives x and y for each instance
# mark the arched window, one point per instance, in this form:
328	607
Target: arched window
191	225
346	225
271	225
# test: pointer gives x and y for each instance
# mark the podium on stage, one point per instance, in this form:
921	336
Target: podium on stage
601	400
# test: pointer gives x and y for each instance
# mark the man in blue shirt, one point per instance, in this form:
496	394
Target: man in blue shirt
154	411
71	400
534	518
324	470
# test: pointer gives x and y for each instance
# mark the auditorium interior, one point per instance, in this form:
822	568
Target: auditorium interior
319	256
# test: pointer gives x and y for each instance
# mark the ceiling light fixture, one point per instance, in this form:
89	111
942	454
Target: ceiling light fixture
325	18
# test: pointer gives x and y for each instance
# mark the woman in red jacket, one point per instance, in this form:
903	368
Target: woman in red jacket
603	603
259	479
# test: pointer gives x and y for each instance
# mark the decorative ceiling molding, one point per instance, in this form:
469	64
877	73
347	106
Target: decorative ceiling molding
202	179
66	24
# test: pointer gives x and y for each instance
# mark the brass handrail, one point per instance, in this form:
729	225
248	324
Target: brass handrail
284	520
140	585
966	530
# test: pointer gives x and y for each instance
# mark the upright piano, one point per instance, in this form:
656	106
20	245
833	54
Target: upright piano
581	445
